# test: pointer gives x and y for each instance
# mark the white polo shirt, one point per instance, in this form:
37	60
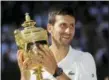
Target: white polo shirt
77	65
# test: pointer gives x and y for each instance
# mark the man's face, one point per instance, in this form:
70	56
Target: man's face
63	30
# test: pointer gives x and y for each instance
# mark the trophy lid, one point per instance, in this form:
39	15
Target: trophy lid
30	33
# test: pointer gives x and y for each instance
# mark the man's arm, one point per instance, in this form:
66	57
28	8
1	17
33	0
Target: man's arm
63	77
25	75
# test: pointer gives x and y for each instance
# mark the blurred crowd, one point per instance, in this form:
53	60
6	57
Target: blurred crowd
92	31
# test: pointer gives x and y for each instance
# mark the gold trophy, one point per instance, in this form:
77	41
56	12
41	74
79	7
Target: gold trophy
26	37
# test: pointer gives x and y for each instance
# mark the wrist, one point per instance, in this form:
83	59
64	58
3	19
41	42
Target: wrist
25	75
53	70
58	72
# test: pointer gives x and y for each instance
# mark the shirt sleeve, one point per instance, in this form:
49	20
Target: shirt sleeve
87	67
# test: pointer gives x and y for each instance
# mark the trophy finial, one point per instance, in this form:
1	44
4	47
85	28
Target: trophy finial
28	22
27	17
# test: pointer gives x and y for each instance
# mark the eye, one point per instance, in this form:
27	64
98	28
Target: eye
63	25
72	25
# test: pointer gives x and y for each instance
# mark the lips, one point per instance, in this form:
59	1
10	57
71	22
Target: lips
66	37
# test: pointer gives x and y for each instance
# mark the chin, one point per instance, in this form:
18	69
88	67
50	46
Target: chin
66	43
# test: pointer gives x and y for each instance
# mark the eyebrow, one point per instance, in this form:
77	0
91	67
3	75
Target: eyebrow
66	23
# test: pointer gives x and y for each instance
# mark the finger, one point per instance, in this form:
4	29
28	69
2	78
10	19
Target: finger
27	64
18	52
40	58
34	60
48	50
41	54
20	58
35	57
51	53
43	49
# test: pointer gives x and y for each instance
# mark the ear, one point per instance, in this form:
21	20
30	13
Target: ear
49	27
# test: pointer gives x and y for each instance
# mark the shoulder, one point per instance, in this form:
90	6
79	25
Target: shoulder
86	60
87	56
85	63
82	55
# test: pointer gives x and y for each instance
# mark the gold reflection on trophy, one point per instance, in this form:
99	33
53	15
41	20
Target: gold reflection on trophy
27	37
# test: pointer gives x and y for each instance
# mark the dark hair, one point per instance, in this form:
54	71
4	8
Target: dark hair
59	10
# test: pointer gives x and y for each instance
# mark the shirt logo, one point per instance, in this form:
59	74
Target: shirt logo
92	75
71	73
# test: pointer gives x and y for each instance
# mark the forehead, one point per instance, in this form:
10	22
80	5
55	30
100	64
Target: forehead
65	19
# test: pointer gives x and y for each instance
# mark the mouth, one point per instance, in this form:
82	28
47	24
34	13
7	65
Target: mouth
66	37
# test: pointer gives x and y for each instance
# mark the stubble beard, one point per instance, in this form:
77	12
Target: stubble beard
60	43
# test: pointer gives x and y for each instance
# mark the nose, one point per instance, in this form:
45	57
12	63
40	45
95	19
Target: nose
68	30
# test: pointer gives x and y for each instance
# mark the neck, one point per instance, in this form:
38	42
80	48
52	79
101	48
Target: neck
59	51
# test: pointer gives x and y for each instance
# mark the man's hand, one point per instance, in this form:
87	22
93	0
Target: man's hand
46	58
25	74
48	61
24	63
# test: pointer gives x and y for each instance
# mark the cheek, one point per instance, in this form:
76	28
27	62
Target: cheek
57	31
73	33
60	33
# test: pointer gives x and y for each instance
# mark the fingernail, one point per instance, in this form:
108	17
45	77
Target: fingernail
40	45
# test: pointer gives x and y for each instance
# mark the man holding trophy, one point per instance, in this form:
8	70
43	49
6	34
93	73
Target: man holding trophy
59	61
